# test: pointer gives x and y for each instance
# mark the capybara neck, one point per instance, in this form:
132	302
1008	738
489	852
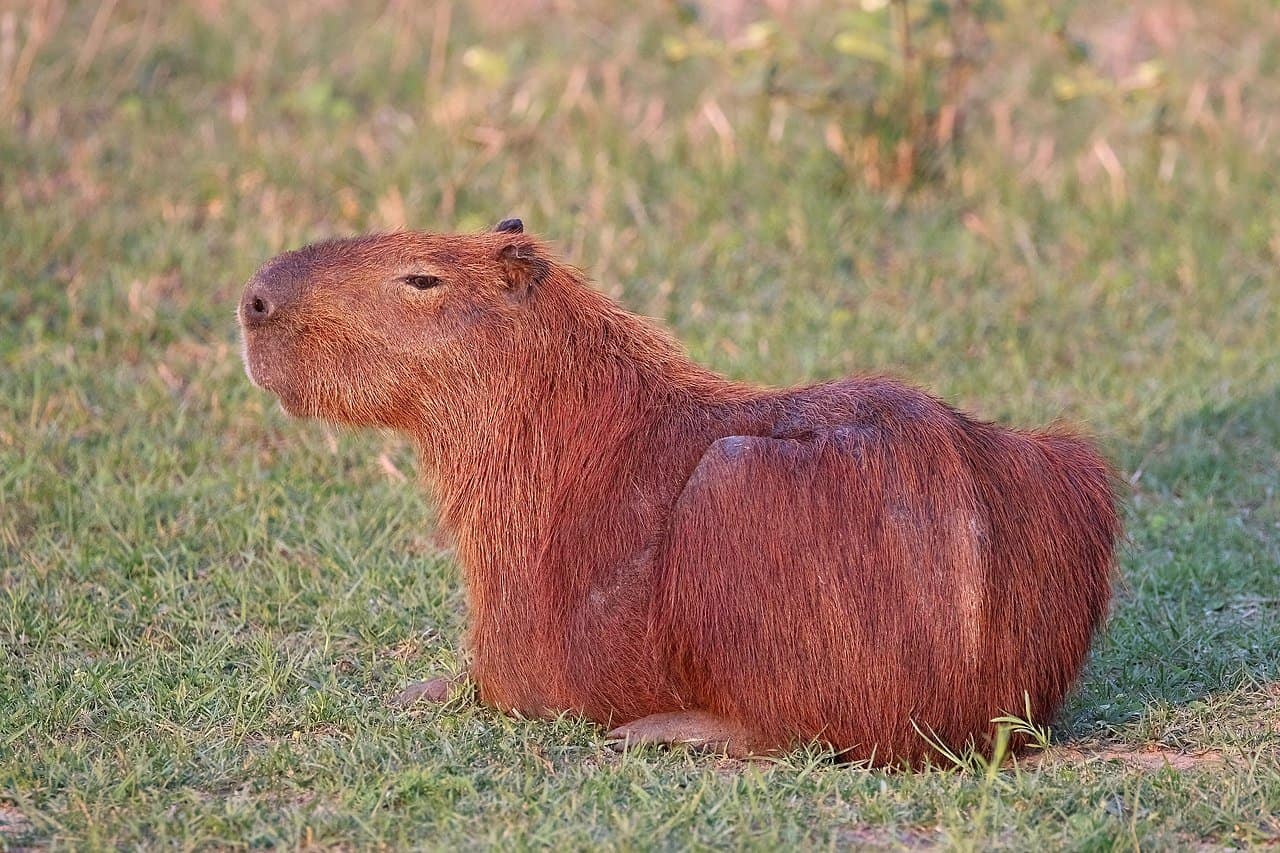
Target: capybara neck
562	391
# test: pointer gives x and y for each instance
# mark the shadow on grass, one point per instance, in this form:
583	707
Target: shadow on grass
1194	636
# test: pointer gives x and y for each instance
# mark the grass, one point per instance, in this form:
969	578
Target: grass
204	605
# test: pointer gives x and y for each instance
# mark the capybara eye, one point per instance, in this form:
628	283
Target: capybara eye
422	282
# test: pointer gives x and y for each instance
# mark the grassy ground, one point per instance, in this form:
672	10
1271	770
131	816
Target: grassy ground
204	605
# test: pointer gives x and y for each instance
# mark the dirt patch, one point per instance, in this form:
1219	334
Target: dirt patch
1151	759
12	821
884	838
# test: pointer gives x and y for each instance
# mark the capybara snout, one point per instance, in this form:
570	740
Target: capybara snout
278	286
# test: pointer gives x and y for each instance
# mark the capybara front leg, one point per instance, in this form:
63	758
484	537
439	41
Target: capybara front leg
438	690
697	729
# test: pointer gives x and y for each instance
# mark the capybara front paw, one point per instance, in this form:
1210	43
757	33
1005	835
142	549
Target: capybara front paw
696	729
438	690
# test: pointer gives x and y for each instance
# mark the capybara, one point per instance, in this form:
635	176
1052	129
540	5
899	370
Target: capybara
685	558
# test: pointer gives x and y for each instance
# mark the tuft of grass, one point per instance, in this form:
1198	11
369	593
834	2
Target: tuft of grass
204	605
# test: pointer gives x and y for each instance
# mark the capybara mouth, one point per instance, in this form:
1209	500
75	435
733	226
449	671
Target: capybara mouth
262	364
258	372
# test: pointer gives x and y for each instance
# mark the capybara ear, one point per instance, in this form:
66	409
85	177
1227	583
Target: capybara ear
524	266
509	226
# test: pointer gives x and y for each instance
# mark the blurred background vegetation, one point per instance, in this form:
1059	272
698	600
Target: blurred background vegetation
901	183
1038	210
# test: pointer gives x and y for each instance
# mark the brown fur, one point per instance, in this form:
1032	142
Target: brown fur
847	562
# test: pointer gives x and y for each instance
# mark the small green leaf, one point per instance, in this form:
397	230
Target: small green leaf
675	49
486	64
853	44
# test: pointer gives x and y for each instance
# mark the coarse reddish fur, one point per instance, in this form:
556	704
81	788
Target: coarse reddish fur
852	562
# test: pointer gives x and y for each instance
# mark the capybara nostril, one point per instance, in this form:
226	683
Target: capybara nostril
257	308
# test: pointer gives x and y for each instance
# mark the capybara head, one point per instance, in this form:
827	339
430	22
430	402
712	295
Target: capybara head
359	330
